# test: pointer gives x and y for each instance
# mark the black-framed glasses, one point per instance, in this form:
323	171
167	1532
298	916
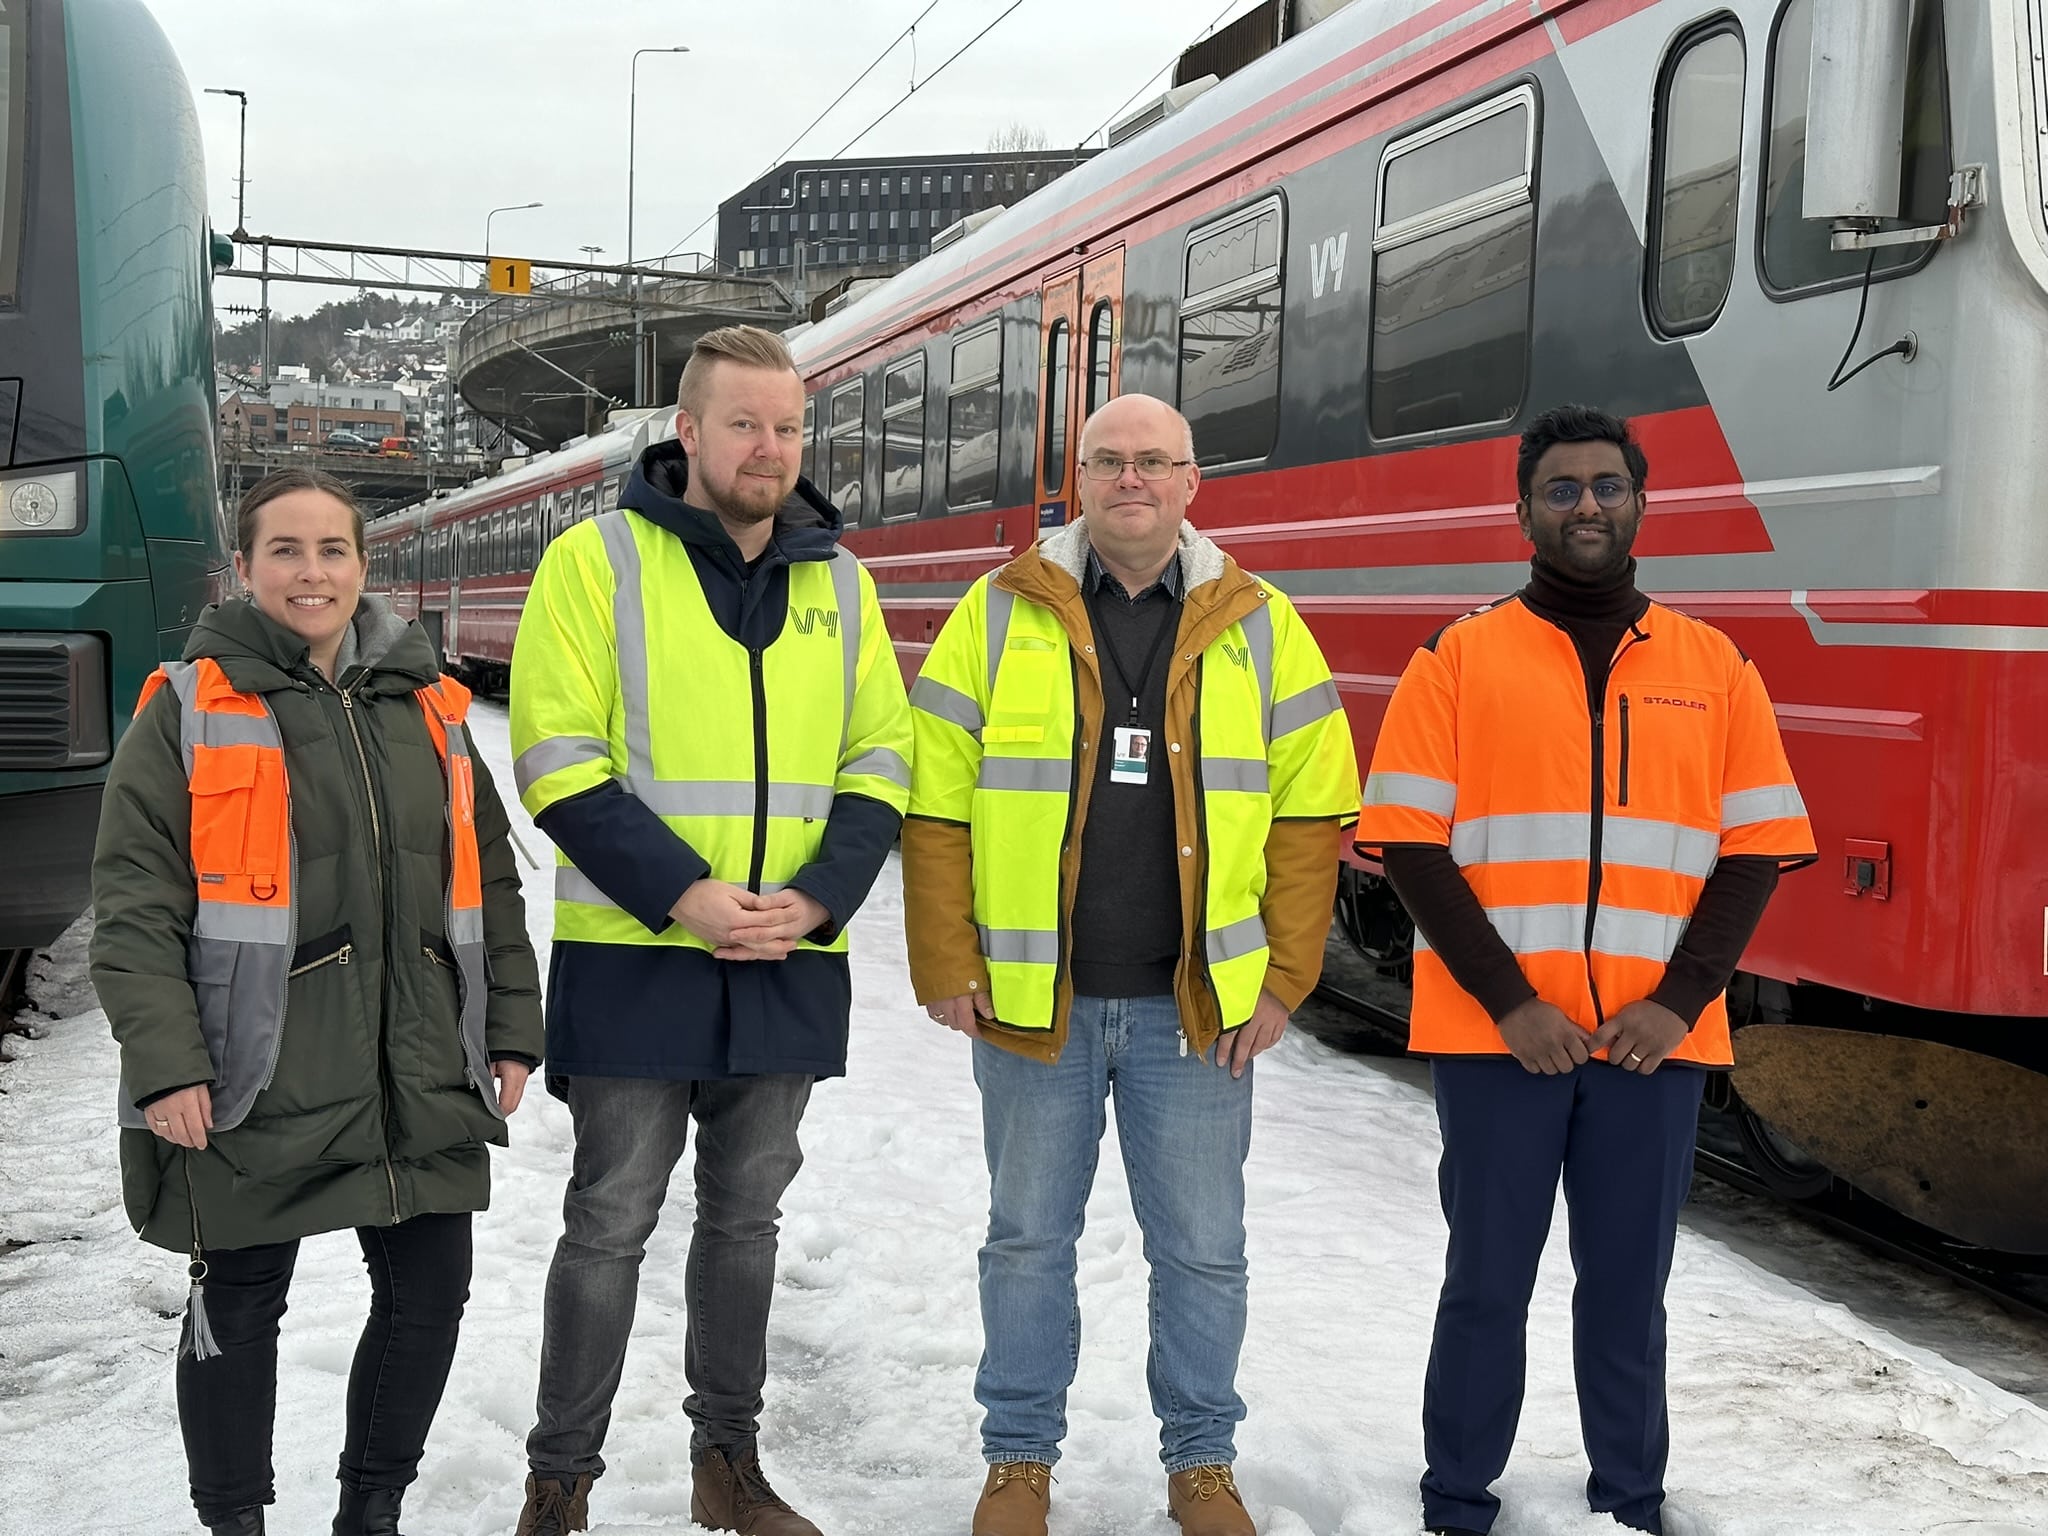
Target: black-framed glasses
1610	493
1150	466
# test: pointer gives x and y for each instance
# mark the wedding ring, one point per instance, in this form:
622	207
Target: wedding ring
161	1122
1633	1056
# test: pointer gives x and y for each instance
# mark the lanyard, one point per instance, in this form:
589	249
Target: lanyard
1123	674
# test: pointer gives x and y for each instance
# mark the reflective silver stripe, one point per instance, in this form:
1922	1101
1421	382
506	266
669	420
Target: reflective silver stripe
571	884
1643	844
1306	708
553	755
846	590
1413	792
1772	802
1247	936
629	639
999	605
1535	930
948	704
1258	638
465	925
1618	931
882	763
1021	946
1247	774
732	797
1054	775
1637	935
241	923
218	730
1522	839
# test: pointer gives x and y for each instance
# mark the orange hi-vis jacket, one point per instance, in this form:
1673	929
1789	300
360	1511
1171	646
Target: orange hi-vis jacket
246	866
1587	835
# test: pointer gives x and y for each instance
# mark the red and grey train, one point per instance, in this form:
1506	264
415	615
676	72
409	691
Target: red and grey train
1361	263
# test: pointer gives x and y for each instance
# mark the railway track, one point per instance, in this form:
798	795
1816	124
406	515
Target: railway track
2016	1282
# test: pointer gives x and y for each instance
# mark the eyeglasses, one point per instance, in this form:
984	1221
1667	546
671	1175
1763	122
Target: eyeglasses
1610	493
1150	466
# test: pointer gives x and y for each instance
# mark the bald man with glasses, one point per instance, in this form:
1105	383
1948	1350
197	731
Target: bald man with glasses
1131	773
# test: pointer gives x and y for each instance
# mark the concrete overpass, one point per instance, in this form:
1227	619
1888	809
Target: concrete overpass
548	366
380	484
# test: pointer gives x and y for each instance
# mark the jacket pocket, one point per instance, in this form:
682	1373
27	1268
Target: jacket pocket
223	786
210	967
336	948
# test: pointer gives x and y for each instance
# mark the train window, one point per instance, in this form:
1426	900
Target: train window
586	503
843	471
1698	175
974	417
1101	353
1797	256
1453	258
528	550
810	459
1057	347
1230	335
903	438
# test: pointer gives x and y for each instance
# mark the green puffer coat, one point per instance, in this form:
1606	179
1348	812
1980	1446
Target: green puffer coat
369	1118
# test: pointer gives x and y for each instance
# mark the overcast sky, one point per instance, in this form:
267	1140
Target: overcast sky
403	122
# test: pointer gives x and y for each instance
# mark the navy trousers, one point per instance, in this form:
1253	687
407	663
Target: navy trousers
1623	1144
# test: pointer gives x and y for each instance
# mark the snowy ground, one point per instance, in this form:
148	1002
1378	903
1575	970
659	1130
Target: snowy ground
1790	1413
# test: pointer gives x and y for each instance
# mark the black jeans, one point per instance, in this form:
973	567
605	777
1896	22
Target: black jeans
419	1282
630	1134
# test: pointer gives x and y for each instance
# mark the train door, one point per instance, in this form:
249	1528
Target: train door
1060	318
1080	341
458	555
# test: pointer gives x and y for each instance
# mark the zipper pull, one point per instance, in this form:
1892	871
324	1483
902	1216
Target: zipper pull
1183	1042
346	951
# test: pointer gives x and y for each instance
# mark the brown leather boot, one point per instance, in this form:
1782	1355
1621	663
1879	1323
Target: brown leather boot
1014	1500
1206	1502
553	1507
732	1494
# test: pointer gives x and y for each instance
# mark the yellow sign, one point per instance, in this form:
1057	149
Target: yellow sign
511	275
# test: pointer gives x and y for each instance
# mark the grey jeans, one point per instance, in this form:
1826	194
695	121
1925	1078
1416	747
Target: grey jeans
630	1134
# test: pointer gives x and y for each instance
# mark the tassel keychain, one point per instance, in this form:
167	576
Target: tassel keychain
197	1338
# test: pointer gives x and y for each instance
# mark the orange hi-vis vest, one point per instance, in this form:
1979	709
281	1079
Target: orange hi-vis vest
1587	835
245	863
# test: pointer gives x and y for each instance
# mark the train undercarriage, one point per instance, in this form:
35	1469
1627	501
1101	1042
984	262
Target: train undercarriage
1926	1113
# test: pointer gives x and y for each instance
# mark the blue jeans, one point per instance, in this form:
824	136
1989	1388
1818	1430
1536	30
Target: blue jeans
1185	1126
1624	1146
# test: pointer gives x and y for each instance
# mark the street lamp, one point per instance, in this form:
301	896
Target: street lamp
632	126
242	164
508	208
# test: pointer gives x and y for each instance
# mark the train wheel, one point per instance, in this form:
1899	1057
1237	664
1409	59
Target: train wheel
1782	1165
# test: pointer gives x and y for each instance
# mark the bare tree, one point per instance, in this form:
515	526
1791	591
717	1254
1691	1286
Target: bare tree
1018	136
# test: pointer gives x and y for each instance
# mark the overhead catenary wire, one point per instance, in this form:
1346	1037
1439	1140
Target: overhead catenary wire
873	65
1146	83
918	85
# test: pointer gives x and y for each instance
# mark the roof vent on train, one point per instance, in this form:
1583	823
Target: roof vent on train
1158	111
961	228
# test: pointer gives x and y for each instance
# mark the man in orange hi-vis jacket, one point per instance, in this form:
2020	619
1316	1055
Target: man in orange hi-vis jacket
1581	798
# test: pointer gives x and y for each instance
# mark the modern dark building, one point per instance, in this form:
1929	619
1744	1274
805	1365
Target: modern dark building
810	216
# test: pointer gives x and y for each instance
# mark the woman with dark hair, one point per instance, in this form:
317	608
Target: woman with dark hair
312	948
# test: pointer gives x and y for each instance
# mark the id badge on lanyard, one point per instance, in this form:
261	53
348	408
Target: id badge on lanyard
1132	747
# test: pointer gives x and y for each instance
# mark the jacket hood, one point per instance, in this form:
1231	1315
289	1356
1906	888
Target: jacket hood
807	527
1219	590
260	655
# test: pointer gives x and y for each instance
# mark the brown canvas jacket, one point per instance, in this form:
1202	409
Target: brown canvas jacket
1301	856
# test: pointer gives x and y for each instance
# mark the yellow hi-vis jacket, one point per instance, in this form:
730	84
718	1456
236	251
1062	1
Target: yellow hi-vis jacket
624	673
1262	765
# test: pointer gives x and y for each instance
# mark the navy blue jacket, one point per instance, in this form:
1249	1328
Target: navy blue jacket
639	1010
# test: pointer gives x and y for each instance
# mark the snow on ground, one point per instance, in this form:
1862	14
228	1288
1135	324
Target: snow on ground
1790	1414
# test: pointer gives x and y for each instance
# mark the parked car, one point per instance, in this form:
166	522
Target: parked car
344	441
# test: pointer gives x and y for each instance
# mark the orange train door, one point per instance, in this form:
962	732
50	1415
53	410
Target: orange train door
1079	367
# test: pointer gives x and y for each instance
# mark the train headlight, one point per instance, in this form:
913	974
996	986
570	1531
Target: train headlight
39	504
